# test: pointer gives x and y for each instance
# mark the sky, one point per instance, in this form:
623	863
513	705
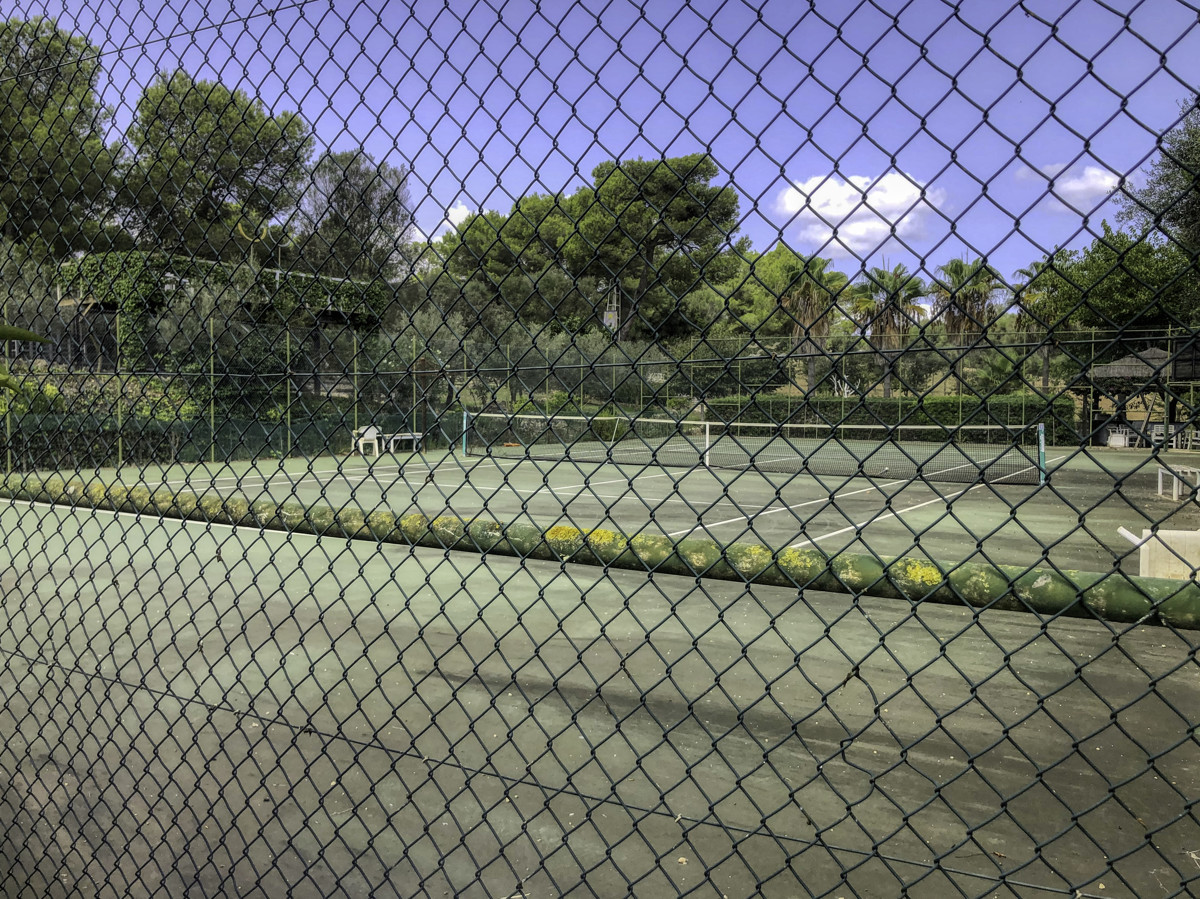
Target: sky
875	133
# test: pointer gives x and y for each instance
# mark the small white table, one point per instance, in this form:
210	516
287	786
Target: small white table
1178	474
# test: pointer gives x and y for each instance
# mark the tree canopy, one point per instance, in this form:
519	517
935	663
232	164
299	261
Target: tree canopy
650	231
655	229
356	216
203	158
53	161
1170	200
1121	280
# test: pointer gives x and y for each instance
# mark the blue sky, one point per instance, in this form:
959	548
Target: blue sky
976	127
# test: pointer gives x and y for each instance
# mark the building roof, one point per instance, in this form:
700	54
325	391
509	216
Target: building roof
1145	365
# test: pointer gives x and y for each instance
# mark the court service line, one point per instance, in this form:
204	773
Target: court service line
826	500
893	514
897	512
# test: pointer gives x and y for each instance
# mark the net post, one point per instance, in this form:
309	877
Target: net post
707	442
1041	431
466	423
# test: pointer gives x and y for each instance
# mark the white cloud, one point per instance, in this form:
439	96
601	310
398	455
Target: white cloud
458	213
455	215
862	210
1078	188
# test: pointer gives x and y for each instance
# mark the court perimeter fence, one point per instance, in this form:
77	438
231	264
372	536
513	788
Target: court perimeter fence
536	656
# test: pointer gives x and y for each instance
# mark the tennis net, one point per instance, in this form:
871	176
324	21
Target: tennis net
968	453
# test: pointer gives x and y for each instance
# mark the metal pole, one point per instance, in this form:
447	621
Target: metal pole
8	403
120	396
289	391
1041	452
212	387
354	351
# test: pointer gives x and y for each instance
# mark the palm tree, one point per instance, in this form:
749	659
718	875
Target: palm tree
965	297
808	291
1028	294
888	301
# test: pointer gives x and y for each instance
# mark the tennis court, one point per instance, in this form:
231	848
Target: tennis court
784	432
583	728
886	516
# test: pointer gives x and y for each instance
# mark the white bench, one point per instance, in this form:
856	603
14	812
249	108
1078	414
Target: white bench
373	437
1179	475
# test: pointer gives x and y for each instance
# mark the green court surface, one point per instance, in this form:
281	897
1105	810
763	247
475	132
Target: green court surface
170	679
999	523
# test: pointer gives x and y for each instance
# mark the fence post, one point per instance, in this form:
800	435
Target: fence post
212	387
288	375
120	398
8	401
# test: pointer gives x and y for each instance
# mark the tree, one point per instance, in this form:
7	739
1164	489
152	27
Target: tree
650	232
653	230
206	158
965	299
53	162
808	291
965	296
1134	287
357	216
1170	201
890	306
1029	295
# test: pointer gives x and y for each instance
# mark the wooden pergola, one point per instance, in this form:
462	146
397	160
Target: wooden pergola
1154	371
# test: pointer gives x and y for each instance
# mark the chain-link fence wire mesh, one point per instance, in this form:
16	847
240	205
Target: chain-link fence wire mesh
520	449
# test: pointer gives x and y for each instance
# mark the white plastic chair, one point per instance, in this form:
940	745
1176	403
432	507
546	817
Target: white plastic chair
368	436
1119	435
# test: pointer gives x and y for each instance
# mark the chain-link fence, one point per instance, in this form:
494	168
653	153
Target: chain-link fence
600	449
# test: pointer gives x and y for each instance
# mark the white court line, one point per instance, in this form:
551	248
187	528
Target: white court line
898	512
646	477
893	514
249	476
826	500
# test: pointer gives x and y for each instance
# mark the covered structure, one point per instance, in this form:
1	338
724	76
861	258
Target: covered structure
1154	373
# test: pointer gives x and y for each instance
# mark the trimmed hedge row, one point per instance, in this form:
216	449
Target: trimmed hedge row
1112	596
1011	410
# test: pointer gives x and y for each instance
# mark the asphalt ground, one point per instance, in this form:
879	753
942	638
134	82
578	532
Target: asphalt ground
193	709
